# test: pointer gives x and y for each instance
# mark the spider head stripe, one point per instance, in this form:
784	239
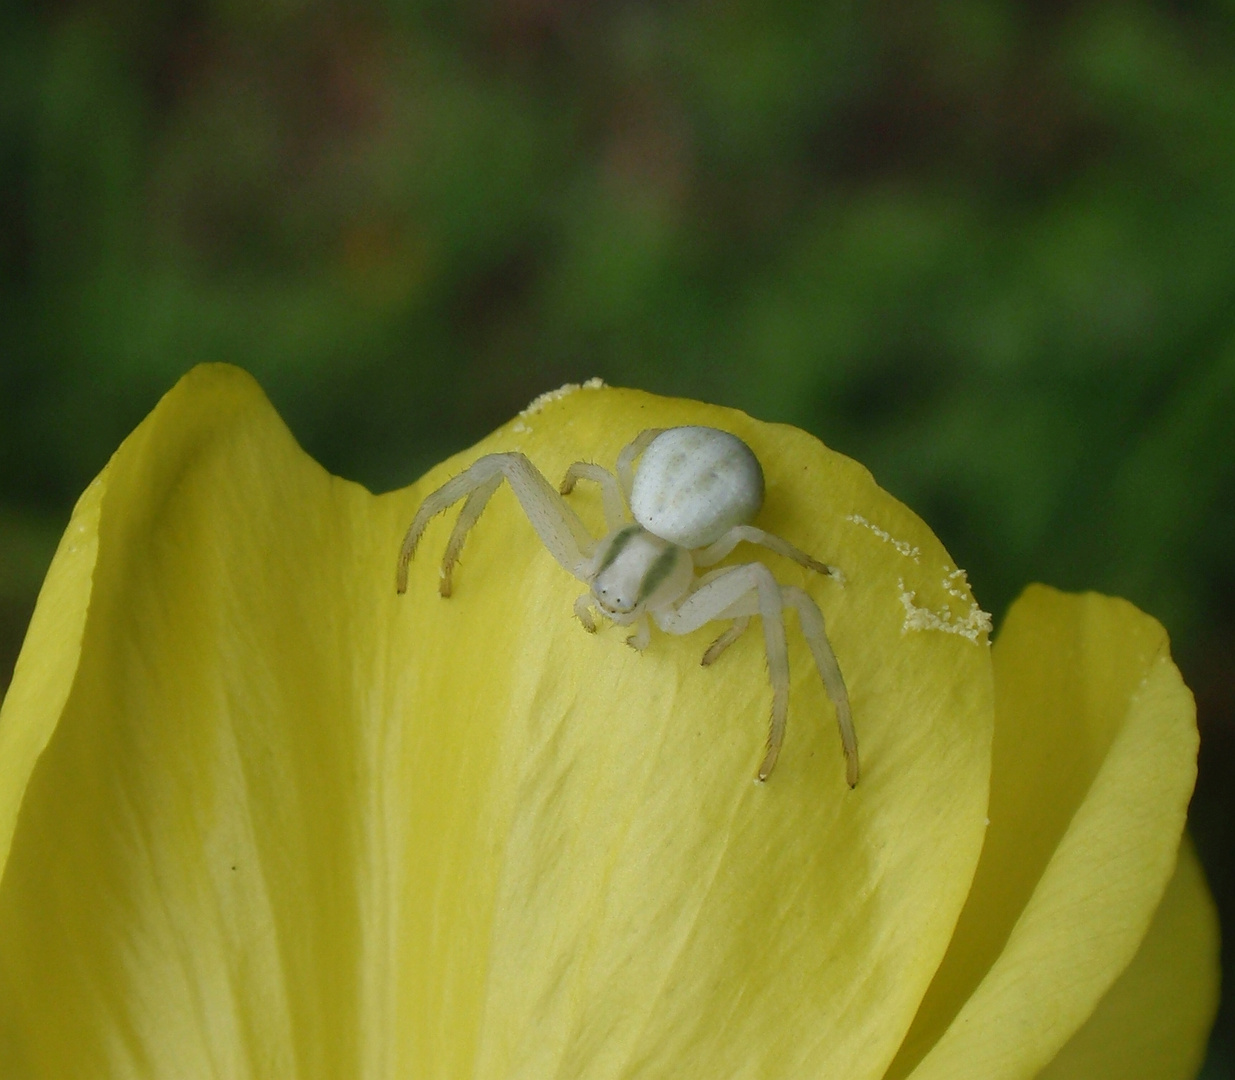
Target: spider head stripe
639	571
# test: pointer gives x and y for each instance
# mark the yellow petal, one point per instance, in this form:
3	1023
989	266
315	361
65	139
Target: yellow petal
1093	764
292	824
1153	1023
49	657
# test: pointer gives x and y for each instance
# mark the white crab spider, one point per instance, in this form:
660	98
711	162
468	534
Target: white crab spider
693	497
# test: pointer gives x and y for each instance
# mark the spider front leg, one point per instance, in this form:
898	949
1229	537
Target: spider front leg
713	651
473	507
748	590
810	618
729	595
557	525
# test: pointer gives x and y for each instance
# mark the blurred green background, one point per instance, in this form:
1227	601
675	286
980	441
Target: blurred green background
987	248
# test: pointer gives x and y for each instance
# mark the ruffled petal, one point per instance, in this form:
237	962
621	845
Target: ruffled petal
289	823
1093	765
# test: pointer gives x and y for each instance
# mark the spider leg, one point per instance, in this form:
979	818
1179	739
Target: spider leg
626	459
583	612
725	640
473	507
712	654
615	503
642	636
810	618
729	595
752	602
557	525
713	553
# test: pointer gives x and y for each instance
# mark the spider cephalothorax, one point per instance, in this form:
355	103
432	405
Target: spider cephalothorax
692	498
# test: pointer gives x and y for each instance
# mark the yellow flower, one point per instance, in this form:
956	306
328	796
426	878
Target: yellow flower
262	817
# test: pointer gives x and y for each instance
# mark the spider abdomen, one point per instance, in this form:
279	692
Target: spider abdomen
694	484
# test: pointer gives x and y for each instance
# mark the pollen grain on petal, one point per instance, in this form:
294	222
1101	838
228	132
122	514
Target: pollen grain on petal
550	396
969	625
910	551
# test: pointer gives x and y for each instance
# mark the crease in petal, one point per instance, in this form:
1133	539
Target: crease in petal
304	825
1153	1023
1093	764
